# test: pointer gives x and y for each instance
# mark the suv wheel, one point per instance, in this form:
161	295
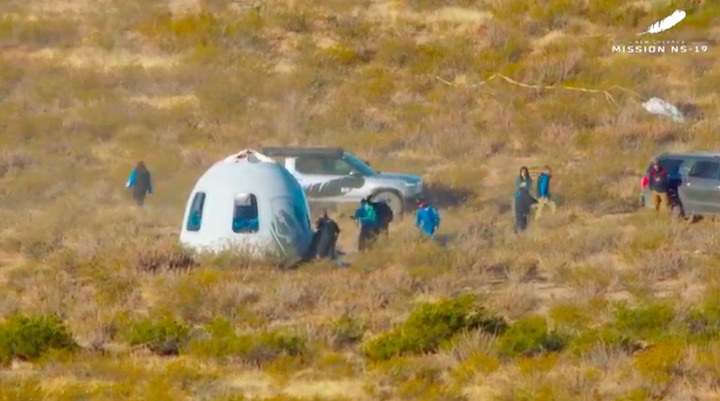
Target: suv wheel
392	199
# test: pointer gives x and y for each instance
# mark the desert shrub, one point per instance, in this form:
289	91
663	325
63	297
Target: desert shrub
650	240
352	27
375	84
162	256
431	5
631	329
232	31
281	397
22	389
615	13
659	365
12	161
476	364
506	47
571	316
411	379
30	337
222	342
346	331
396	51
335	365
703	17
430	326
546	15
645	321
587	279
295	19
703	321
38	247
447	57
216	6
44	32
422	389
340	56
226	94
10	76
164	336
530	336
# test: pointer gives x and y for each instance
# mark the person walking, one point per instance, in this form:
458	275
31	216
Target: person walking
659	184
328	233
366	217
140	182
523	200
543	192
427	218
384	214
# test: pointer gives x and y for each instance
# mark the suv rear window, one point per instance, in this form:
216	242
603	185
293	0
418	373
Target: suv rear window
671	165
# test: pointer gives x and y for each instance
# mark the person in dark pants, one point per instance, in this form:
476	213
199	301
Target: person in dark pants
523	204
328	232
659	185
384	215
523	200
140	182
367	219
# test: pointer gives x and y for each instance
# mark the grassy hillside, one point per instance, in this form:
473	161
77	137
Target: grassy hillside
596	301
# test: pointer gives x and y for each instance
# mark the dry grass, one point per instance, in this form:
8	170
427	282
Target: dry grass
88	89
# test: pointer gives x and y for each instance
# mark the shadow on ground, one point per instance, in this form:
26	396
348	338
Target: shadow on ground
443	196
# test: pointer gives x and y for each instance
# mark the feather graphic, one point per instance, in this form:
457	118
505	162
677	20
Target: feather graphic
666	23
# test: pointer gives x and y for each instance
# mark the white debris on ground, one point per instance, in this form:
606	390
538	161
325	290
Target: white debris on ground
661	107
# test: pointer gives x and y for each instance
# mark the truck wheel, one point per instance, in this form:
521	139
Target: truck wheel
392	199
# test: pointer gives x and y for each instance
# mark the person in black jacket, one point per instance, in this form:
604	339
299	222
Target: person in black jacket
140	182
384	214
327	234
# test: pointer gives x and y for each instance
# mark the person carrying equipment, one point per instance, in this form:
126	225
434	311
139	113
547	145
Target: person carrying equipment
384	214
543	193
366	217
140	182
427	218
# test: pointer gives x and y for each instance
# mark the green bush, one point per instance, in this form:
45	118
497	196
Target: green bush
703	322
346	331
205	30
530	336
30	337
432	325
631	328
165	336
643	322
222	342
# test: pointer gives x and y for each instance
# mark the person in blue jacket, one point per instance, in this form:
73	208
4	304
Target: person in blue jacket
427	218
543	192
366	217
140	182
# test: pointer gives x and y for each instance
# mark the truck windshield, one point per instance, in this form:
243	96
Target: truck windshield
359	165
